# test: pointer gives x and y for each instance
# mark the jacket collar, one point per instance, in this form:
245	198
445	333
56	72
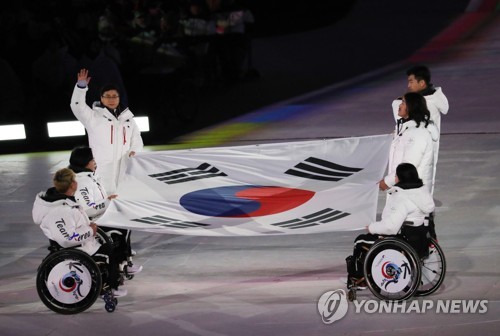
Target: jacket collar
428	91
406	125
52	195
124	114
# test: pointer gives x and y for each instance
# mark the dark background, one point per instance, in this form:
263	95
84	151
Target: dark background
294	48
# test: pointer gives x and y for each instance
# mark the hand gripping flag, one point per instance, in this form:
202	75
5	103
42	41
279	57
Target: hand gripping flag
270	189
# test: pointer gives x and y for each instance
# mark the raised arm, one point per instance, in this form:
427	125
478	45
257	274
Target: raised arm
78	105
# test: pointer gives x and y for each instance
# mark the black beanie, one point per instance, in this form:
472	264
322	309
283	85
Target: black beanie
80	157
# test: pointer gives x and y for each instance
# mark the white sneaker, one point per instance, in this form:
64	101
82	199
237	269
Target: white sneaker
134	269
120	292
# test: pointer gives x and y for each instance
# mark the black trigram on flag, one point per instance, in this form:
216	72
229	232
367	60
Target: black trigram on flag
159	220
203	171
321	217
317	169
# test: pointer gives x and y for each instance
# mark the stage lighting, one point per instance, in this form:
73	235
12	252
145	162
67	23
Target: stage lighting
142	123
65	128
75	128
12	132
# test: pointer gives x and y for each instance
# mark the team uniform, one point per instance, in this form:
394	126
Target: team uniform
112	136
437	104
64	221
405	213
415	145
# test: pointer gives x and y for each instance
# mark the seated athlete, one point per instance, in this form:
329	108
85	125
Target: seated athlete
408	203
62	220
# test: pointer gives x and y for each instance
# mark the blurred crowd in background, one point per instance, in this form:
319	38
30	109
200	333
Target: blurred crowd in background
45	43
168	57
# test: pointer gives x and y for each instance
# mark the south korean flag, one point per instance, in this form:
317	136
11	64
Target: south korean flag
284	188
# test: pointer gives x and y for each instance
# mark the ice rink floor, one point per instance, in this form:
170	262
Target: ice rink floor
271	285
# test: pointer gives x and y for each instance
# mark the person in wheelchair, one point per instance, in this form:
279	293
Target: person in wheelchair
64	222
408	203
94	200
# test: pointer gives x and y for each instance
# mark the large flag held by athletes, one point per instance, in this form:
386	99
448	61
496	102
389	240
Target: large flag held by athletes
269	189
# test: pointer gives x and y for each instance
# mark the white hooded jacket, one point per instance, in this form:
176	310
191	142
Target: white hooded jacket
413	145
63	221
111	138
403	205
91	195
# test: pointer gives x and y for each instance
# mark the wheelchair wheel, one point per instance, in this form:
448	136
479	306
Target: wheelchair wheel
102	237
68	281
392	269
433	270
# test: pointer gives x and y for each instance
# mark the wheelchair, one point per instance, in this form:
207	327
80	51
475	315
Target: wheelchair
69	281
394	271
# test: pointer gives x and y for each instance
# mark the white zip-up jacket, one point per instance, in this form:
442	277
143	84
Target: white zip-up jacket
111	138
90	195
437	104
413	145
63	220
403	205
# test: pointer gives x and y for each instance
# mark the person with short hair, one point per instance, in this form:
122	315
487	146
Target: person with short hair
113	133
419	80
62	220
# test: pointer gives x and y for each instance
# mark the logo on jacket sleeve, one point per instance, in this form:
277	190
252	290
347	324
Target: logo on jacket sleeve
61	226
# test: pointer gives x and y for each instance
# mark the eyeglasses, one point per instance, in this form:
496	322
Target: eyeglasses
111	97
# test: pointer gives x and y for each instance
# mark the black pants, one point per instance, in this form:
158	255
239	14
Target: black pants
106	253
432	225
355	262
418	238
121	242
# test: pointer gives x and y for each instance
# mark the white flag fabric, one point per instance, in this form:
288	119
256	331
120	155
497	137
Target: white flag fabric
270	189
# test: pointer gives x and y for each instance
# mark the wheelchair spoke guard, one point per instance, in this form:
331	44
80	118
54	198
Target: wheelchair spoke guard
392	269
68	281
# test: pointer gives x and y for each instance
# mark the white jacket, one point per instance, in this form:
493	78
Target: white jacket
111	138
64	221
413	145
410	205
90	195
437	104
